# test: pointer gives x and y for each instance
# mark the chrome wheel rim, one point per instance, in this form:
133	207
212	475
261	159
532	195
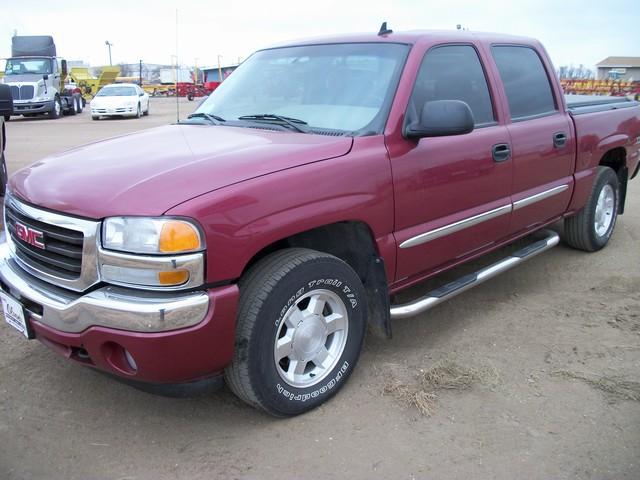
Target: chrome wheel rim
311	338
57	107
604	210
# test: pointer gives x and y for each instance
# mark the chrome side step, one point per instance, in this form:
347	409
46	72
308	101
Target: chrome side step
450	290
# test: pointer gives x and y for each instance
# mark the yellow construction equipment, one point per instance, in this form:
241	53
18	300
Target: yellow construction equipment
89	84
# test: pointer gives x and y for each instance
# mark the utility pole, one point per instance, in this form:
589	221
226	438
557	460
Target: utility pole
140	73
108	44
219	69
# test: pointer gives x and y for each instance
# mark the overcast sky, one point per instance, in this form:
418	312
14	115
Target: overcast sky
574	32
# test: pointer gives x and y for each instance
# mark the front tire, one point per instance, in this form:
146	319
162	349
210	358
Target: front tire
56	109
301	324
138	112
591	229
3	175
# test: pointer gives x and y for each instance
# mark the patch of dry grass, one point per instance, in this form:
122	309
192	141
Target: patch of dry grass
446	374
614	386
411	396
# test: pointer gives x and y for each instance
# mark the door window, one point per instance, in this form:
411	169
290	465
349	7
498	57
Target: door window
525	81
453	72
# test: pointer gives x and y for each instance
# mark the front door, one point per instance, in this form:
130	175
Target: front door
452	194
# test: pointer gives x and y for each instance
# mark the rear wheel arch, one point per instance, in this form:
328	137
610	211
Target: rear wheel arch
616	159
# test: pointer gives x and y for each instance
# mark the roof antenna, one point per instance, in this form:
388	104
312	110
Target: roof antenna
384	30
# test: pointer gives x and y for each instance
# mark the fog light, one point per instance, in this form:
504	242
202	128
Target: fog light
130	360
174	277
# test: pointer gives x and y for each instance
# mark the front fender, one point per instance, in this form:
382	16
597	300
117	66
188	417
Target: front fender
243	219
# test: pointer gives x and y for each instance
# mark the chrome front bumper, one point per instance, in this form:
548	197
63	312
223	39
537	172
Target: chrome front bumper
109	306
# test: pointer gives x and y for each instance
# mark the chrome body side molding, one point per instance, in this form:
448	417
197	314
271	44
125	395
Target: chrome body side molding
455	227
539	196
482	217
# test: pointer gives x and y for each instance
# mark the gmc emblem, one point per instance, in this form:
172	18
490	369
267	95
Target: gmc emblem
29	235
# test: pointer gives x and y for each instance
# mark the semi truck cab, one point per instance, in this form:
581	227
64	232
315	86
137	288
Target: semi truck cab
36	76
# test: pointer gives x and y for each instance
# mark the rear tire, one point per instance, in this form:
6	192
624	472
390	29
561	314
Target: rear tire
73	109
146	112
301	324
591	228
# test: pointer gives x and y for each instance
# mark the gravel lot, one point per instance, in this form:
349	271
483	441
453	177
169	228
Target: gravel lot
543	365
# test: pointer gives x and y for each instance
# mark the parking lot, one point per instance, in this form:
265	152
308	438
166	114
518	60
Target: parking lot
551	352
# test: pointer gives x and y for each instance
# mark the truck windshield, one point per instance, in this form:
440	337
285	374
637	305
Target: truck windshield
26	66
345	87
117	92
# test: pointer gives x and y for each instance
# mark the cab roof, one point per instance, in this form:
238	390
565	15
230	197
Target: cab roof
412	37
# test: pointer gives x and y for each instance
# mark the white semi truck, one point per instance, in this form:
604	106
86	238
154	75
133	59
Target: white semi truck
36	76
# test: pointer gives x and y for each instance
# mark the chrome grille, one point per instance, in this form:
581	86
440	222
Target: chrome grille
69	256
24	92
62	252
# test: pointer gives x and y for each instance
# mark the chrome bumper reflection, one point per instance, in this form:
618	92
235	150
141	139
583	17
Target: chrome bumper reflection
112	307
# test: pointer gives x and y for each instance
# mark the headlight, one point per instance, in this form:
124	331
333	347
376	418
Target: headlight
151	235
158	253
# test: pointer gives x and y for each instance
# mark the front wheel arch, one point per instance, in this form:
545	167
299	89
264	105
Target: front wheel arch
354	243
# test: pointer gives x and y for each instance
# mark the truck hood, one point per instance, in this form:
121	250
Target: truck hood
24	78
149	172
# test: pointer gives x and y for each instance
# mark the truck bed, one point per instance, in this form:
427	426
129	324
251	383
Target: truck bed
580	104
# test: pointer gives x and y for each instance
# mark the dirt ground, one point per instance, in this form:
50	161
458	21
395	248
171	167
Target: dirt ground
535	374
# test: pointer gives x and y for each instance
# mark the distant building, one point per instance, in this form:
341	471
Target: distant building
619	68
212	74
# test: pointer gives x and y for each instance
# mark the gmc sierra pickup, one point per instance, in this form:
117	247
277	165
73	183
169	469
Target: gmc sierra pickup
259	238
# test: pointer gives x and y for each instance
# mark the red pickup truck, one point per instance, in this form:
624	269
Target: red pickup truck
259	238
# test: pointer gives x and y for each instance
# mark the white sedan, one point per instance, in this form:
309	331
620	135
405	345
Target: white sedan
121	99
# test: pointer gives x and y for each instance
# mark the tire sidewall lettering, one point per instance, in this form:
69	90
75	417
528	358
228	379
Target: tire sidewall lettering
303	397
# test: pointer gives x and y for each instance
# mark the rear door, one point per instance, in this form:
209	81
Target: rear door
543	147
451	196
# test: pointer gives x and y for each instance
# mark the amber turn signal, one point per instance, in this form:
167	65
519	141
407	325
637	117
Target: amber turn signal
177	236
173	277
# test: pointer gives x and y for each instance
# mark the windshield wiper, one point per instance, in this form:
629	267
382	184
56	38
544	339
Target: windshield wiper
295	123
213	119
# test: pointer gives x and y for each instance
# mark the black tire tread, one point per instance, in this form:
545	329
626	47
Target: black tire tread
256	285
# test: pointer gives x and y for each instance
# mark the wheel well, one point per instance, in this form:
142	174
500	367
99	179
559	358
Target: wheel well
353	243
616	159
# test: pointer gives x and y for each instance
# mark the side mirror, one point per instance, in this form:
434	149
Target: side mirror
63	65
6	101
141	94
45	77
441	118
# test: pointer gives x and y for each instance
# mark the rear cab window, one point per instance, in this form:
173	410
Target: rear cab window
453	72
525	80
